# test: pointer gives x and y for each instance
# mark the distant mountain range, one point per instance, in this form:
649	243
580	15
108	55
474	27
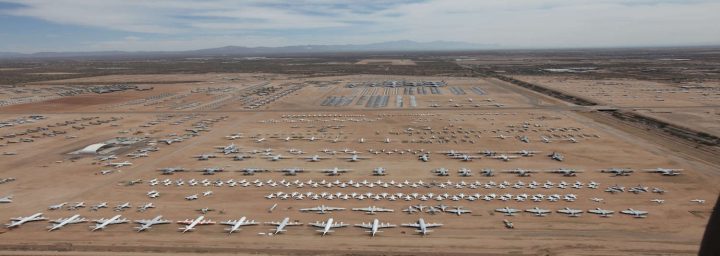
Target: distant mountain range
393	46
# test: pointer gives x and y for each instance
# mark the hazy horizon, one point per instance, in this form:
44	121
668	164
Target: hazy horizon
29	26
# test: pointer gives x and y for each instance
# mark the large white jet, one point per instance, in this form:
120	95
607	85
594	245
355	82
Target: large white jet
570	212
538	212
59	223
16	222
103	223
282	224
372	209
507	211
6	199
601	212
328	226
422	227
190	224
635	213
375	226
147	224
236	224
119	164
322	209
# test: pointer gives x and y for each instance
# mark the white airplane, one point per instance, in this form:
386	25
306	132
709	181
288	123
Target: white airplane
335	171
276	157
327	226
234	136
190	224
120	164
601	212
521	172
315	158
191	197
658	201
258	140
313	138
665	171
465	157
422	227
6	199
355	158
386	140
618	171
171	170
229	149
570	212
322	209
282	224
122	207
57	206
66	221
507	211
16	222
424	157
106	158
538	212
699	201
361	140
147	224
103	223
379	171
566	172
373	209
635	213
292	171
76	206
458	210
236	224
504	157
375	226
145	207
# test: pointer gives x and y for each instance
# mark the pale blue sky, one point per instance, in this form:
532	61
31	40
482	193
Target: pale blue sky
96	25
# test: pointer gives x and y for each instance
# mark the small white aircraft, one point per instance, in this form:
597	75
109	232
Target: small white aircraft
570	212
190	224
236	224
507	211
422	227
6	199
355	158
122	207
538	212
665	171
59	223
327	226
458	211
57	206
335	171
601	212
375	226
322	209
504	157
635	213
103	223
119	164
315	158
373	209
147	224
16	222
282	224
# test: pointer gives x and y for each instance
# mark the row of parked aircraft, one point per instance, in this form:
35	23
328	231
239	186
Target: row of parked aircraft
310	183
234	225
422	197
536	211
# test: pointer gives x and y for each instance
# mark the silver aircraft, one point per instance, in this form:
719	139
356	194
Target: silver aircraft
147	224
375	226
282	224
422	227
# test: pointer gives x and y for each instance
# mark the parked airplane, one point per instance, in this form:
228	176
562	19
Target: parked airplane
372	209
236	224
635	213
57	206
170	170
465	158
292	171
464	172
458	211
335	171
204	157
379	171
315	158
190	224
147	224
276	157
375	226
59	223
556	156
424	157
234	136
566	172
699	201
6	199
665	171
355	158
16	222
211	171
103	223
521	172
322	209
422	227
504	157
327	226
118	165
618	171
538	212
122	207
106	158
282	224
601	212
146	207
507	211
76	206
570	212
229	149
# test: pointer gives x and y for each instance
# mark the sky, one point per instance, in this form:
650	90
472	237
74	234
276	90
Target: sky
138	25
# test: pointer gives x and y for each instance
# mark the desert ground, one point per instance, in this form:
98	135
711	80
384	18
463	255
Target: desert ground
333	116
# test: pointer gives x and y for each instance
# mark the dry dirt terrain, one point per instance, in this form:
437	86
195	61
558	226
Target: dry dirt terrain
333	117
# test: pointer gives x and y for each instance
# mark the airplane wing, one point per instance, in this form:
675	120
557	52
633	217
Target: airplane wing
333	208
364	225
311	209
338	225
431	225
386	225
415	225
318	224
146	222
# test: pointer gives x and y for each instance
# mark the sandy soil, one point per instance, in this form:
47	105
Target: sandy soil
46	175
